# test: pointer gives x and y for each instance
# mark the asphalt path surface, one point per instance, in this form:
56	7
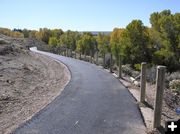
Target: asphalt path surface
94	102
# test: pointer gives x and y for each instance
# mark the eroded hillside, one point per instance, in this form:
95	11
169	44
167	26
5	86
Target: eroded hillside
28	81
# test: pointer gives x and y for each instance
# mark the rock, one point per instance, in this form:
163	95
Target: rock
134	81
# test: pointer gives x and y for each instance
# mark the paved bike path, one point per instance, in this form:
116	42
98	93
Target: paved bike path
94	102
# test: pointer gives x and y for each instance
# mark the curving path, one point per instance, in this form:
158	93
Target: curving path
94	102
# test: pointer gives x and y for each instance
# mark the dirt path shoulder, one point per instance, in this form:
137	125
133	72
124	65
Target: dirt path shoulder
28	82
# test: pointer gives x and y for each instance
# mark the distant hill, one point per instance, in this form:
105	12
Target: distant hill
95	33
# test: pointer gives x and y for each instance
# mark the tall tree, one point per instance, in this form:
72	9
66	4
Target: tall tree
26	33
32	34
167	27
43	34
69	39
56	33
53	42
115	42
103	42
134	43
86	44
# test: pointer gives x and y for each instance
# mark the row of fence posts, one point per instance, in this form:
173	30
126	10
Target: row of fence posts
160	84
67	51
160	79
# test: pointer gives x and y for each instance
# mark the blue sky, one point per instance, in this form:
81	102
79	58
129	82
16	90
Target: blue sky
81	15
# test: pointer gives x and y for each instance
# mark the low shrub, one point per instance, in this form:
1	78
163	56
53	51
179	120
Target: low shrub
2	41
137	67
175	85
128	70
172	76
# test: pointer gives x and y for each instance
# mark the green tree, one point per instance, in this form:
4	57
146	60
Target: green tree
86	44
56	33
26	33
80	47
103	42
11	33
43	34
115	43
32	34
166	26
53	44
134	43
69	39
53	41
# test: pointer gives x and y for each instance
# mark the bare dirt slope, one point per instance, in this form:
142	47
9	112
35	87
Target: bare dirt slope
28	82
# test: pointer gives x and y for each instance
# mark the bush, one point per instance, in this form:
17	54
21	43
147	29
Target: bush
137	67
172	76
2	41
175	85
128	70
151	74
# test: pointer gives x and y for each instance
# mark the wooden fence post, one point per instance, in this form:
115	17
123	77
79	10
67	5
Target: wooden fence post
91	57
104	60
97	57
160	78
80	56
110	68
143	82
70	52
66	52
85	56
75	54
120	68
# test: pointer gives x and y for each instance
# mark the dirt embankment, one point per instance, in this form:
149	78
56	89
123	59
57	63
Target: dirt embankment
28	82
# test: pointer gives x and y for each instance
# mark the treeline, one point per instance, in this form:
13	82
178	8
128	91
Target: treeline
13	33
158	44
